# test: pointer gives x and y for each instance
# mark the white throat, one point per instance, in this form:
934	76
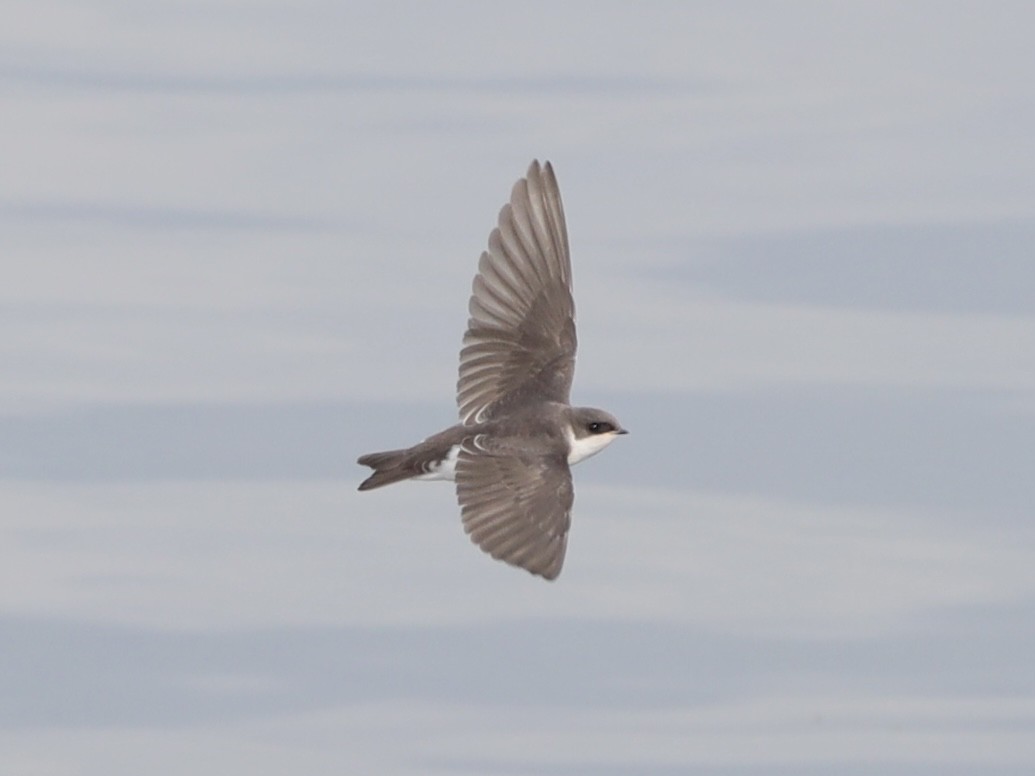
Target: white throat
581	449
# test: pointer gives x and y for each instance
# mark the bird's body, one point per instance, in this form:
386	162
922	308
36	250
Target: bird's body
510	454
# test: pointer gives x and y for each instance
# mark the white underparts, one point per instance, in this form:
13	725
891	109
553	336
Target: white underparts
581	449
444	469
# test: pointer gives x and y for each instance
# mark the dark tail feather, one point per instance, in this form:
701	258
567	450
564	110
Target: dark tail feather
388	468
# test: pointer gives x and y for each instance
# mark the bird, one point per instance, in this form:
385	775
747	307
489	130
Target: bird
518	436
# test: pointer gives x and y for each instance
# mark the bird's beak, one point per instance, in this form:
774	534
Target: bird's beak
621	431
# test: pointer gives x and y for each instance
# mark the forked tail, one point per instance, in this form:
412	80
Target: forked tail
389	466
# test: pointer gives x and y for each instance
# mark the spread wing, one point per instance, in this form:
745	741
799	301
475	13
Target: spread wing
520	339
516	509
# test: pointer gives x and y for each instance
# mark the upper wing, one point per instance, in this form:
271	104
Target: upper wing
520	337
517	510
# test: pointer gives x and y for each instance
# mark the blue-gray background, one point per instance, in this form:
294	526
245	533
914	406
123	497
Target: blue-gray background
237	244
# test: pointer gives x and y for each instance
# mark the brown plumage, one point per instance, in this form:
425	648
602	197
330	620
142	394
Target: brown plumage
517	436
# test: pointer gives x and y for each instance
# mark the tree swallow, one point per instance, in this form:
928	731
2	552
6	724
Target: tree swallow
518	434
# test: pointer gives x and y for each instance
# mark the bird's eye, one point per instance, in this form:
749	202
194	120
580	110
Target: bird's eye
600	428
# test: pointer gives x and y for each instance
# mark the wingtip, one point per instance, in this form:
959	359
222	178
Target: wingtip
537	168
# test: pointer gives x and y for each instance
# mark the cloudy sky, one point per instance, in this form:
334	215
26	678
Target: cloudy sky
237	244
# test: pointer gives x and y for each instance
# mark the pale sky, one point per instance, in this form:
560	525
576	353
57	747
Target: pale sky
238	241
